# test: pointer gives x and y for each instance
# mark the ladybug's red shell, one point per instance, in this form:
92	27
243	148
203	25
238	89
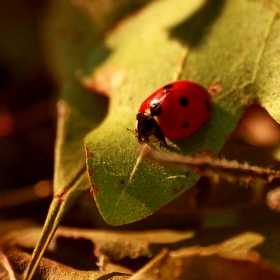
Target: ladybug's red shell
180	108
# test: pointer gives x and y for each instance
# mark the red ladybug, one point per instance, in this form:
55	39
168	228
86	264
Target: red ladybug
174	111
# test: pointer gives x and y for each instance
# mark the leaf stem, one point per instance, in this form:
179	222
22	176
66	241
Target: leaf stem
210	167
60	204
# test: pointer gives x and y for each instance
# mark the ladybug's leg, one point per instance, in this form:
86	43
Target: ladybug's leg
133	131
161	139
162	142
159	135
156	110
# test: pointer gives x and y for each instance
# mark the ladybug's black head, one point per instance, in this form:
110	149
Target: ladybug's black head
147	126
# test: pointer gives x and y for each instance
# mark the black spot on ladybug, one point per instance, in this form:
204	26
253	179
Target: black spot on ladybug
184	101
186	125
169	86
156	109
207	105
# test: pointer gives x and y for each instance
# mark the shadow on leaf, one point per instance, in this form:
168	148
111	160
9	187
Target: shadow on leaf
198	23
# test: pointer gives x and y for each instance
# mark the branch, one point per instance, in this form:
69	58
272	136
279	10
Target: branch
230	170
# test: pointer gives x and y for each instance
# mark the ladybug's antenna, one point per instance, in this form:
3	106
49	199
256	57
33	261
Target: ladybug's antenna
133	131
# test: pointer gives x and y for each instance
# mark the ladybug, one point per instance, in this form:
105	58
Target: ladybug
174	111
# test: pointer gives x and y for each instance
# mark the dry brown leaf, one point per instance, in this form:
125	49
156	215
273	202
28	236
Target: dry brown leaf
49	269
79	245
117	244
114	244
6	270
206	263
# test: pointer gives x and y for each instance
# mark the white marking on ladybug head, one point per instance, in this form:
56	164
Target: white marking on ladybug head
153	139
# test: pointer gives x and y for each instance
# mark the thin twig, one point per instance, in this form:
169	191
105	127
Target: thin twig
211	167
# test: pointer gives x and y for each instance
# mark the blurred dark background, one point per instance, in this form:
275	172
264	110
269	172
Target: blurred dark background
27	111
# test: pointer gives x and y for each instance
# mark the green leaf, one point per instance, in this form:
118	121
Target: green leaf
69	38
223	45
